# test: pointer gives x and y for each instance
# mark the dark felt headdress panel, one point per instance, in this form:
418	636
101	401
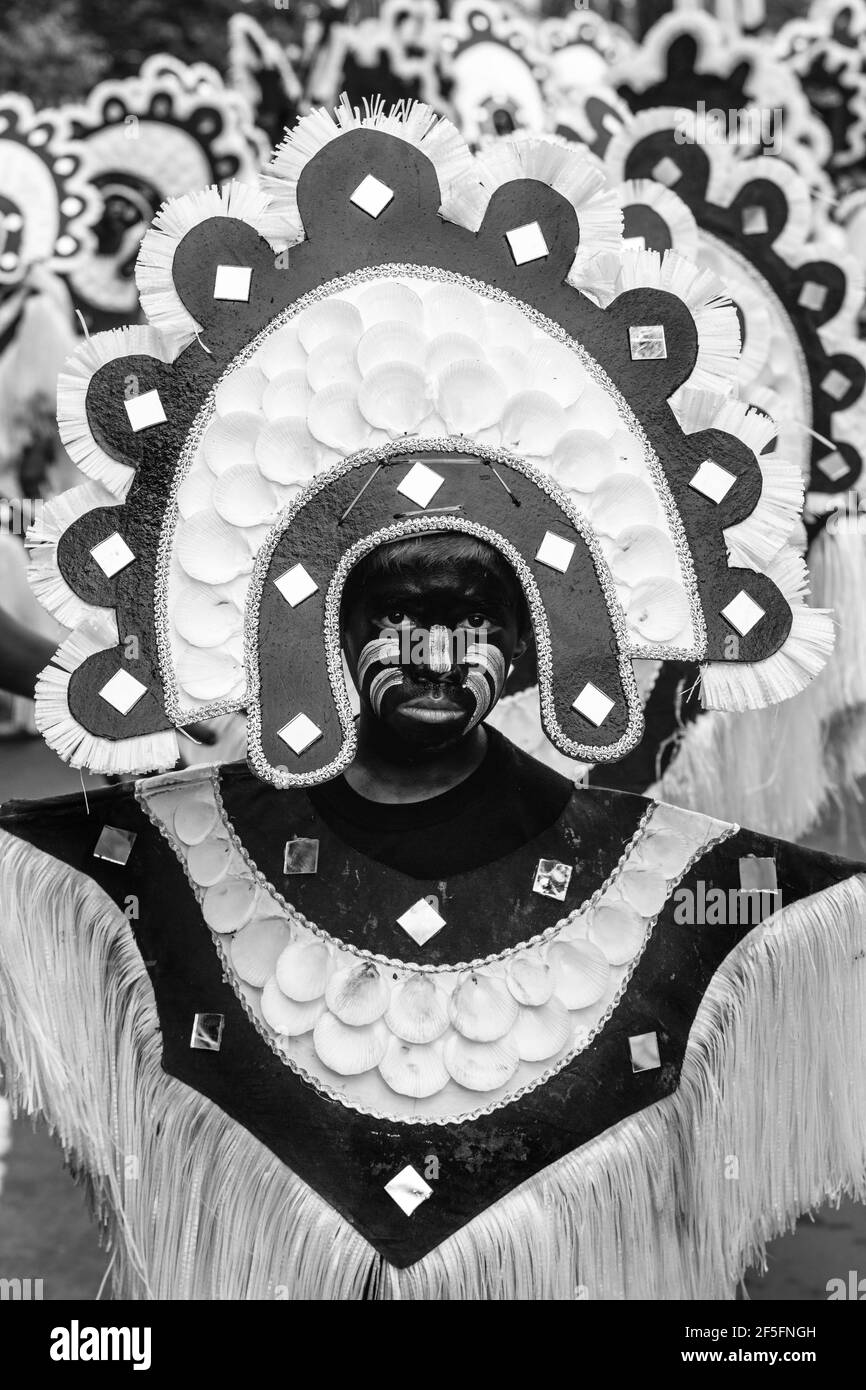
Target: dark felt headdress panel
342	240
584	647
785	280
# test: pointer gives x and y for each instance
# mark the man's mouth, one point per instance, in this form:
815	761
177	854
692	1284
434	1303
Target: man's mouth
432	708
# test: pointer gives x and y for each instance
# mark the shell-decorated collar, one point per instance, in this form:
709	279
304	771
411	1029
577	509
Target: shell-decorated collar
399	1040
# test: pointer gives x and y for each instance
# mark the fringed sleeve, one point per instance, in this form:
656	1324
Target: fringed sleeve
673	1203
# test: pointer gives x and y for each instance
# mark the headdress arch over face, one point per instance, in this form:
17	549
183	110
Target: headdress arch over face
383	299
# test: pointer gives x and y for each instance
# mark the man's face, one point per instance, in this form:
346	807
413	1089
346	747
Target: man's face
430	628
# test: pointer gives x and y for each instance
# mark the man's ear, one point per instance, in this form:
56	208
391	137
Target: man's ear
521	645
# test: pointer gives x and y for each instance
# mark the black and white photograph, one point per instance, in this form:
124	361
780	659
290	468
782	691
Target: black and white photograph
432	669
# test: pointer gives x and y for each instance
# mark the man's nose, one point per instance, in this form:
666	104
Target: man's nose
437	656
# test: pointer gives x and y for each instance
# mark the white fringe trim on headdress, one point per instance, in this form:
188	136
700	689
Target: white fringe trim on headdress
43	537
577	176
195	1208
63	732
714	315
742	685
837	576
72	386
754	541
153	269
675	214
463	199
794	188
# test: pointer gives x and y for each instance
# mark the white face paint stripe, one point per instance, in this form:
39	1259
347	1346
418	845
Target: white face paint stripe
384	650
441	649
381	683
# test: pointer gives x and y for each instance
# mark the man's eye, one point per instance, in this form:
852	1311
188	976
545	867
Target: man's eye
477	620
395	617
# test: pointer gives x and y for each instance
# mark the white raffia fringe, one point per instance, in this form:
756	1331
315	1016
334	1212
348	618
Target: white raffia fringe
740	768
677	215
837	574
43	537
774	1074
577	176
712	311
741	685
160	300
463	199
754	541
67	736
72	385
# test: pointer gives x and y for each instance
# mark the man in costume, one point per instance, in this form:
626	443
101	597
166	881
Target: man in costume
396	1012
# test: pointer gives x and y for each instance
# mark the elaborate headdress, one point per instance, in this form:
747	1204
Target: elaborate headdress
47	209
170	129
390	338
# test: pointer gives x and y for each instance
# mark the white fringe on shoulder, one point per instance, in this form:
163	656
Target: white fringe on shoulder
194	1207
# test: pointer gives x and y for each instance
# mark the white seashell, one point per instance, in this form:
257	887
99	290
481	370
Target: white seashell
658	609
281	352
210	550
331	318
349	1051
646	890
542	1031
481	1008
391	342
196	491
450	308
257	947
418	1011
204	618
302	970
235	591
358	994
620	501
242	389
231	440
581	460
557	370
229	905
532	423
470	396
286	452
595	410
390	301
333	360
665	851
451	347
629	452
479	1066
530	980
287	395
641	550
209	861
413	1069
334	419
581	972
506	326
288	1017
208	673
512	365
393	397
194	819
618	931
243	497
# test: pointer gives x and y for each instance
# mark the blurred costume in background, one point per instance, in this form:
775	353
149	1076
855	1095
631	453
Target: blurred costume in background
170	130
501	1048
47	211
